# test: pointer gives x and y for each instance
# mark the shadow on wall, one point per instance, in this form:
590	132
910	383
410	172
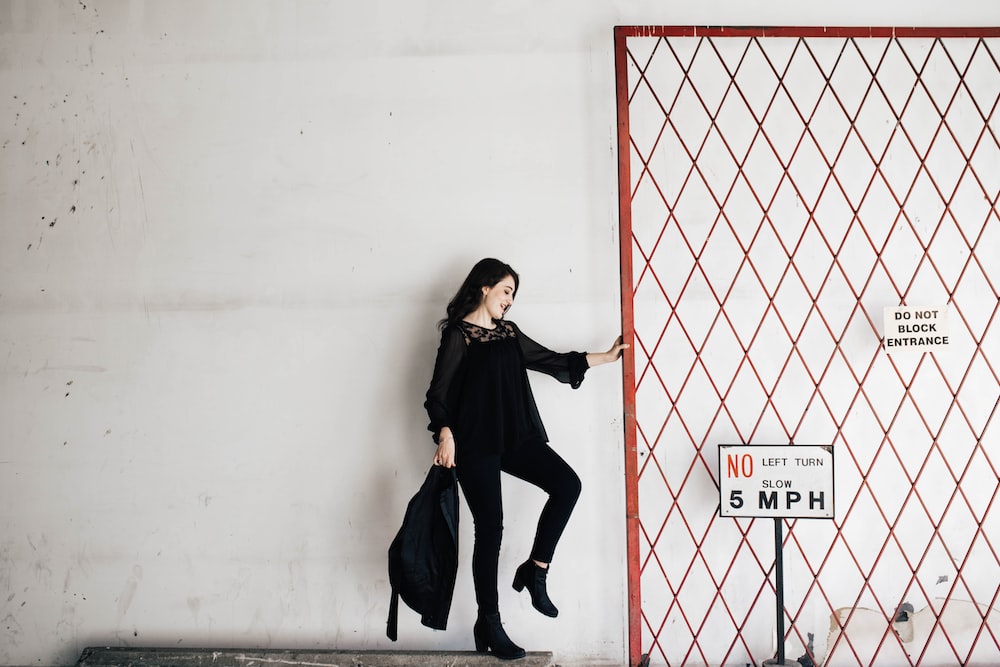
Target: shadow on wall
404	459
865	630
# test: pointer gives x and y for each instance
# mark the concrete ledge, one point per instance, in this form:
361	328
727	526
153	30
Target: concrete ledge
192	657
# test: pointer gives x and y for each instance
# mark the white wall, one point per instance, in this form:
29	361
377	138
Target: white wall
227	230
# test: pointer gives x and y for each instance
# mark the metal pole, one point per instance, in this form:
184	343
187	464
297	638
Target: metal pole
779	591
779	585
632	527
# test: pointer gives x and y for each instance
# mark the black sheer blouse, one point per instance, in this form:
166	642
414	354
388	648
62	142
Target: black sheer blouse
480	387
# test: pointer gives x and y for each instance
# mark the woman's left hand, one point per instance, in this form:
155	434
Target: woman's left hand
613	354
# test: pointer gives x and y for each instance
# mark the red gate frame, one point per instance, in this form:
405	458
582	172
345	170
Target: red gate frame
621	33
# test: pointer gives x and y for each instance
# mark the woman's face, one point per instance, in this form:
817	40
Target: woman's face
498	298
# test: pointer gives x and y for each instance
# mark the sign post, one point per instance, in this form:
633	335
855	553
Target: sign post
779	482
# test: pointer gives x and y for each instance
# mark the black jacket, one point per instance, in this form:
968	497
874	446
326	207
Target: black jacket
423	557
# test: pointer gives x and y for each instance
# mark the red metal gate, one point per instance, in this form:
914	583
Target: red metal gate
778	189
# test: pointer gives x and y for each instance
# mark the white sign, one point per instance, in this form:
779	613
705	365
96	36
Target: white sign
915	329
780	481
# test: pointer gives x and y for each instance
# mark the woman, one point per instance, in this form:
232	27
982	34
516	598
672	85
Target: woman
484	420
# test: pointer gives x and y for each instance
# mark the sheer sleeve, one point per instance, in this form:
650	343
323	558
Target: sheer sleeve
567	367
450	355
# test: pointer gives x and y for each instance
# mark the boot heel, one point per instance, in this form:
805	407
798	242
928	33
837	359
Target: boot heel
482	643
518	584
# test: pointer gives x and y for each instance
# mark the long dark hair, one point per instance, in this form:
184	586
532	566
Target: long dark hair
486	273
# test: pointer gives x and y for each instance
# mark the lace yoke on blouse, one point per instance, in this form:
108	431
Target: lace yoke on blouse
474	332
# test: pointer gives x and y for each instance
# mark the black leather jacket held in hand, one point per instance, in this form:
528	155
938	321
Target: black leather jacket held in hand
423	557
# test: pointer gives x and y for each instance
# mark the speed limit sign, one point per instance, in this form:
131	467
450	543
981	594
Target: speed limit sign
781	481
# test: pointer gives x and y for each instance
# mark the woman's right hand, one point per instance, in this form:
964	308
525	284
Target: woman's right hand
445	454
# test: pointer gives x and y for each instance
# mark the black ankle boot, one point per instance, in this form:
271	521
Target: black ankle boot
532	576
489	635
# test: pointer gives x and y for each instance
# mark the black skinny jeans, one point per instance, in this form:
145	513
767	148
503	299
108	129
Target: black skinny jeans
536	464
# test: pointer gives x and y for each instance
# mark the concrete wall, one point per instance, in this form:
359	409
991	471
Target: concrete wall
226	232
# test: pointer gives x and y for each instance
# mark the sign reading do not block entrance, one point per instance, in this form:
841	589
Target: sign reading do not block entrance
779	481
915	329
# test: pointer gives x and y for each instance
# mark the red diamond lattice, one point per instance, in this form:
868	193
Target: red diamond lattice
779	188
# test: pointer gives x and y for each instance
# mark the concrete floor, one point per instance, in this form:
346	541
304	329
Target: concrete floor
155	657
